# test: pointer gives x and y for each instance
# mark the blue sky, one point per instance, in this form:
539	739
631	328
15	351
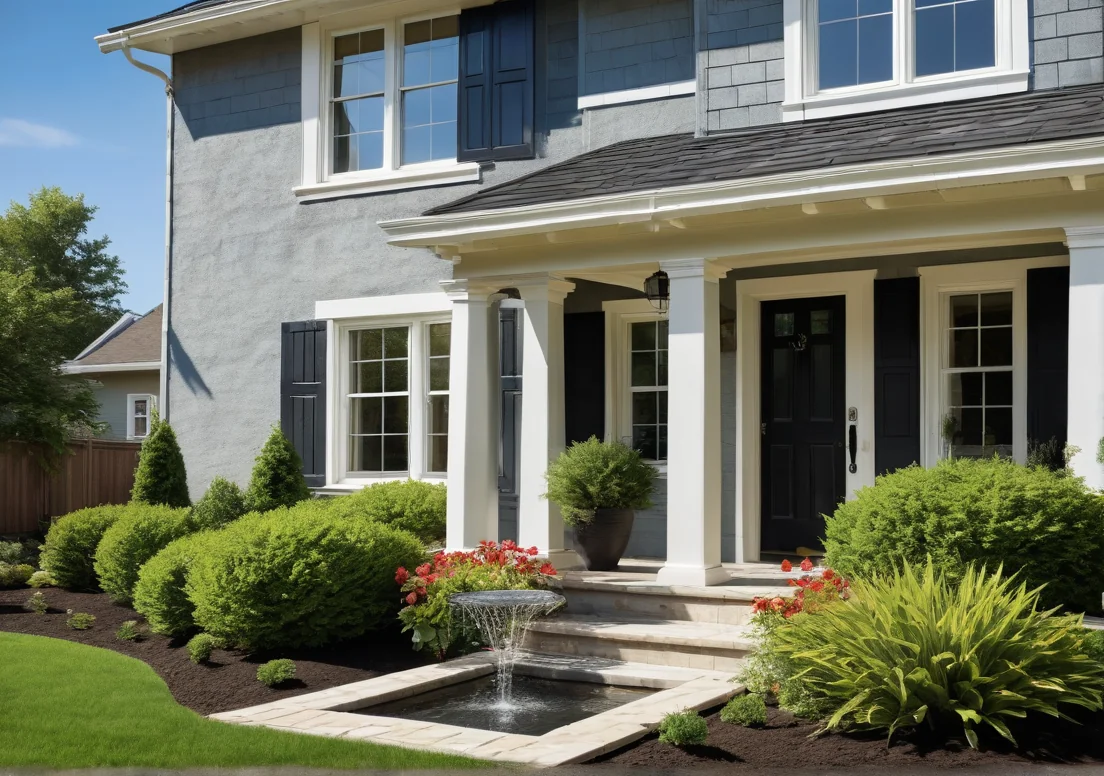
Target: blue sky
89	123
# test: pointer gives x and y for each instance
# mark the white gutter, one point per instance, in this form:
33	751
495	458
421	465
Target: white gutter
973	168
71	368
140	36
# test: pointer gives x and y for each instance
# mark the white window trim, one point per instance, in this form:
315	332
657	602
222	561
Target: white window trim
936	285
658	92
427	360
338	477
802	101
317	69
150	407
619	315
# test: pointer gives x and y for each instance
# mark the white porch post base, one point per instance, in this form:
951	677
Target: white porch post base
693	426
563	560
1085	424
472	502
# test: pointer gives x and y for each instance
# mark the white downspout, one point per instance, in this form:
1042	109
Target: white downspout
170	123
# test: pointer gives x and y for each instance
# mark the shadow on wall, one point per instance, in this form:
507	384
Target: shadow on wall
179	358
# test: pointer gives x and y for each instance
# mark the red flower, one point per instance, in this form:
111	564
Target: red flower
422	570
817	586
532	551
787	566
806	565
548	569
401	575
431	579
412	598
828	573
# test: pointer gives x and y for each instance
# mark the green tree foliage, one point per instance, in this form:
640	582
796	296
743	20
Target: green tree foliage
49	238
161	477
277	479
38	404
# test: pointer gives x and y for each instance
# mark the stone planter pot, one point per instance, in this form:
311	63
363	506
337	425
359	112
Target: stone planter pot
602	541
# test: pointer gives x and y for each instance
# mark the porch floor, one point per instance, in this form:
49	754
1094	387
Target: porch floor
638	575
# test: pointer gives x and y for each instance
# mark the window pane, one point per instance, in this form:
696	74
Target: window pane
438	374
369	150
358	46
975	35
431	51
996	309
416	108
395	376
371	73
345	117
838	54
875	49
644	409
443	141
783	324
998	388
395	342
661	377
645	440
140	426
964	348
820	322
367	416
438	454
833	10
140	407
661	398
643	369
996	347
643	336
394	453
663	327
367	344
440	339
964	310
935	40
396	414
366	453
345	154
346	81
998	427
417	145
367	377
969	427
965	389
438	414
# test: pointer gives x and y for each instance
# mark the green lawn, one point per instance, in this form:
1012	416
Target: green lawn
66	705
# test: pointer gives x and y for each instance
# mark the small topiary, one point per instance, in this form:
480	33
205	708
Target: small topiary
683	728
749	710
409	505
161	477
159	593
276	672
142	532
1046	527
79	620
594	475
128	631
37	604
15	576
223	503
200	647
277	479
68	554
41	579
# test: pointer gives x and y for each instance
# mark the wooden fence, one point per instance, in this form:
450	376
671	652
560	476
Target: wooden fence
98	471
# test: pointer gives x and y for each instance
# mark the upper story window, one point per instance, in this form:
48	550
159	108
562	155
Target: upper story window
853	56
430	64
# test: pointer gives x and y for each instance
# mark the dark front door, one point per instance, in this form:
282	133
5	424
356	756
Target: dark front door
804	458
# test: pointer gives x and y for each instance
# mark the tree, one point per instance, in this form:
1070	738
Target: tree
39	404
49	237
161	477
277	479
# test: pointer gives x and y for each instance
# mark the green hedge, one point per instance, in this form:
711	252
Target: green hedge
159	594
71	544
223	503
299	576
410	505
1046	526
142	532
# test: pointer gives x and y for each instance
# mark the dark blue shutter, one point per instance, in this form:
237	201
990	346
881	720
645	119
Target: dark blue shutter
1047	355
303	394
896	373
496	83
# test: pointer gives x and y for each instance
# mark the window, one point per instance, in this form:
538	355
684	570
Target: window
379	396
139	411
978	375
847	56
437	396
430	65
648	387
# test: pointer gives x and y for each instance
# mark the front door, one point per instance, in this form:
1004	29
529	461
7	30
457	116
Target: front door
804	458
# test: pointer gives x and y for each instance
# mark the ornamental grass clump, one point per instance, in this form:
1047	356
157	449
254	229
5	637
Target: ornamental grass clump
594	475
917	648
129	631
683	728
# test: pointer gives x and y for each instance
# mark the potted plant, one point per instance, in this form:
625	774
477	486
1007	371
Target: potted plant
598	487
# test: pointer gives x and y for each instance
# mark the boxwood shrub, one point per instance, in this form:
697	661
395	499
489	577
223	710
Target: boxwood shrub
142	532
223	503
411	505
71	544
1045	526
299	576
159	594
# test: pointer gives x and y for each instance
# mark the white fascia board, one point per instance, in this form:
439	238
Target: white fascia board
996	165
148	36
382	306
134	366
116	328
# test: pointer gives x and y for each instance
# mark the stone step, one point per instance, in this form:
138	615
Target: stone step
678	643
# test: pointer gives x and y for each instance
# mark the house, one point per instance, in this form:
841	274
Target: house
123	365
419	234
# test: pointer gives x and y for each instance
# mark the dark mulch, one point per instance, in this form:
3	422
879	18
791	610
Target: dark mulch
785	743
230	680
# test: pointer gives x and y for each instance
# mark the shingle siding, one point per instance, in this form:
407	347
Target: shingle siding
1068	45
632	44
741	73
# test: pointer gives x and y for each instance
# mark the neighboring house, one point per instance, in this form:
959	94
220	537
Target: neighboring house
419	232
123	366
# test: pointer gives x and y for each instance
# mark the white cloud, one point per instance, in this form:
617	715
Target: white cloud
18	133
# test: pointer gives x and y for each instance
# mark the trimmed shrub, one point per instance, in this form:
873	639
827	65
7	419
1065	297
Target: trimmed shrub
1093	644
36	603
159	593
41	579
298	576
413	506
683	728
71	542
916	648
200	647
223	503
79	620
595	475
748	710
15	576
128	631
276	672
1044	526
161	477
277	479
11	553
142	532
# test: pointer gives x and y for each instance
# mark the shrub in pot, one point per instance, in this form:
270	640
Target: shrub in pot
598	487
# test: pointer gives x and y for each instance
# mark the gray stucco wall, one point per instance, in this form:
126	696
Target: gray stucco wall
1068	42
629	44
741	81
111	392
247	255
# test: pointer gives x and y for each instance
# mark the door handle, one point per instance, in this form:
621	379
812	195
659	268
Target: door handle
852	447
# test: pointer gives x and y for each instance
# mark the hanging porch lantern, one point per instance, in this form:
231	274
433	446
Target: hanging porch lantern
657	289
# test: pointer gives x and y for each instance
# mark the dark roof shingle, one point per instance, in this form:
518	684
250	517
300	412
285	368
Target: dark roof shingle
679	160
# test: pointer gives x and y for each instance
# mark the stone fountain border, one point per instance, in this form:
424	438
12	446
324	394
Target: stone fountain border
326	713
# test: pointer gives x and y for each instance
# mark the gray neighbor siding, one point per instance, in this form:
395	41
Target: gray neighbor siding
111	390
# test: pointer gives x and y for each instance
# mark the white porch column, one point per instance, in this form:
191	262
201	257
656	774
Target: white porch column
472	509
542	415
693	426
1085	421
